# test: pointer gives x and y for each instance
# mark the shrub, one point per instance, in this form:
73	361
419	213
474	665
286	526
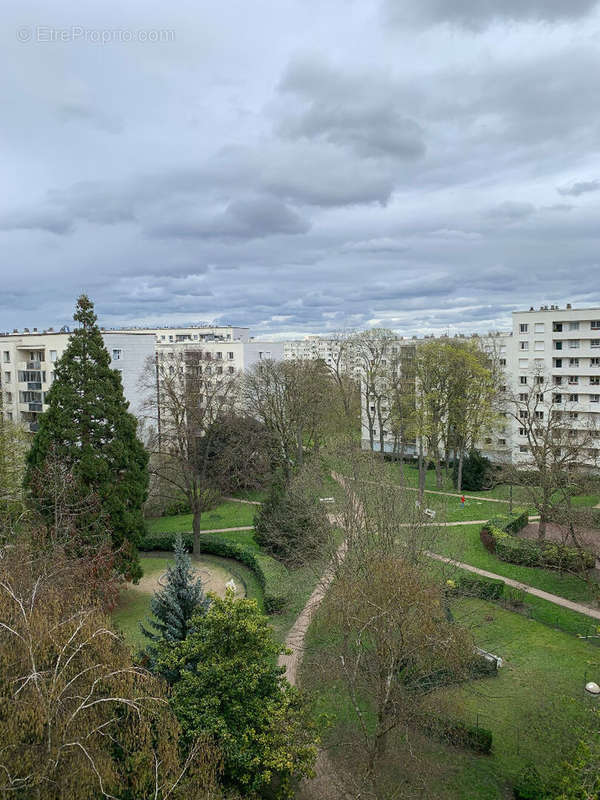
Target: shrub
528	552
271	574
460	734
529	785
471	586
476	472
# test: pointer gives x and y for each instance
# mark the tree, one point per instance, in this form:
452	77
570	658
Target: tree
375	357
231	688
88	430
292	523
77	718
239	451
186	395
175	604
13	450
293	399
557	452
476	472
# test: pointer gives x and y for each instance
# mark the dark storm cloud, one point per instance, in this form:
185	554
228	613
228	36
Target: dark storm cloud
476	14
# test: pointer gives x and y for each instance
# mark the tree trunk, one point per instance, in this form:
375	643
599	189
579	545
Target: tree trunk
421	472
438	472
542	526
196	529
461	456
299	445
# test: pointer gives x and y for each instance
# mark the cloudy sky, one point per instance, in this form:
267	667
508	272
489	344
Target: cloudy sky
299	166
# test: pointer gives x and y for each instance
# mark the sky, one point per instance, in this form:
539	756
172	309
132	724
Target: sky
299	166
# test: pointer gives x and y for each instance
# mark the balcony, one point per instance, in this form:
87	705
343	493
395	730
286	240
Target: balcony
34	386
33	365
37	407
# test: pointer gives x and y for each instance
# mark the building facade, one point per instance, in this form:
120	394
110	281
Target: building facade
27	369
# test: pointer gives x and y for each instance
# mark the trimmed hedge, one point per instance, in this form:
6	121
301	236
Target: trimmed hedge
460	734
472	586
272	575
497	535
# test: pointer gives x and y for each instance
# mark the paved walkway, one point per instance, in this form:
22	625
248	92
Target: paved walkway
225	530
552	598
239	500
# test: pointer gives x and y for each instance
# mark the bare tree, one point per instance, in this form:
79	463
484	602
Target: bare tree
375	358
557	451
13	449
185	394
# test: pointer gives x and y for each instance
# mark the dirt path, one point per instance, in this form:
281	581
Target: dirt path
551	598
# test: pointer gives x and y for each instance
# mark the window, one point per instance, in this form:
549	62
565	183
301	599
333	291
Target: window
558	363
595	398
7	356
231	370
501	441
523	396
594	362
558	345
523	448
557	398
539	327
573	415
595	342
557	380
539	346
573	362
574	344
53	355
523	413
522	431
573	379
539	379
595	380
539	415
573	398
523	327
524	345
9	397
230	356
219	370
219	355
7	377
502	362
595	324
540	397
116	355
573	326
557	327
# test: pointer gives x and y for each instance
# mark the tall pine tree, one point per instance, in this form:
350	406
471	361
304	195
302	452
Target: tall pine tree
89	431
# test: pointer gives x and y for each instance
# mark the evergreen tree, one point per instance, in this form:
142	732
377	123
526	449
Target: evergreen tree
174	606
88	430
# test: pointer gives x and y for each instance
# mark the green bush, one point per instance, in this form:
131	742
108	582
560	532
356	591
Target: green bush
497	535
529	785
460	734
471	586
272	575
476	472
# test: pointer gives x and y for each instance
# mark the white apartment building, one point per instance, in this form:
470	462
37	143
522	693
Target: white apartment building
227	356
198	334
27	368
558	348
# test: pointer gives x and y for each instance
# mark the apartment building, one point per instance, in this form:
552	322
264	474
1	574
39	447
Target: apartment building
194	334
27	362
558	349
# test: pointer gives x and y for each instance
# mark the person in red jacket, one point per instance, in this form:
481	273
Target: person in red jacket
462	501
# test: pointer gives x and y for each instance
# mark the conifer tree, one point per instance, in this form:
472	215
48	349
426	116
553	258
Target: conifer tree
88	429
174	606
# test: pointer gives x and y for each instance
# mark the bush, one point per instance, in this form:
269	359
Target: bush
529	785
272	576
497	536
471	586
476	472
460	734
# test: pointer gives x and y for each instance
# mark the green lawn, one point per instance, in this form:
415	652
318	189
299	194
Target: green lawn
463	544
134	603
258	495
227	515
531	707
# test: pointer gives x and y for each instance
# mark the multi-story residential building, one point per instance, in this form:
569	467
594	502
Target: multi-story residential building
557	350
27	362
197	334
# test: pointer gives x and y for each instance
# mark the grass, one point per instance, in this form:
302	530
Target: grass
226	515
134	603
463	544
258	495
531	707
449	509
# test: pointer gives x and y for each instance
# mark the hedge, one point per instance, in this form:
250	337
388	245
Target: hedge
272	575
471	586
497	536
460	734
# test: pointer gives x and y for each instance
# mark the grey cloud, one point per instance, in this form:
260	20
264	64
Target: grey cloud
51	220
246	219
477	14
577	189
511	211
79	112
354	112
